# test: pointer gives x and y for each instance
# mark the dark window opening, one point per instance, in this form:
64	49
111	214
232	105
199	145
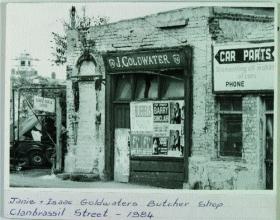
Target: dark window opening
231	135
22	63
230	126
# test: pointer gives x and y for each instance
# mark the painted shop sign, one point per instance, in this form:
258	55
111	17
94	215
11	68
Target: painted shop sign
245	67
145	60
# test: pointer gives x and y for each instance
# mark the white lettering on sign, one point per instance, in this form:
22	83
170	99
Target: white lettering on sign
243	67
127	61
228	55
257	54
142	60
44	104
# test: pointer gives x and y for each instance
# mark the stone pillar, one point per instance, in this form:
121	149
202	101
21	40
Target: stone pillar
87	149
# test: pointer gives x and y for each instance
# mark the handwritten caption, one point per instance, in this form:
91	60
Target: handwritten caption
99	208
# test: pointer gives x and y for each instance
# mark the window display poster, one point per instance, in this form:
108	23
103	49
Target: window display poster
160	145
175	146
141	116
161	112
176	112
157	128
161	129
141	144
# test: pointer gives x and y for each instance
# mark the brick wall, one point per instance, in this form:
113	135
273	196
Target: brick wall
204	26
230	173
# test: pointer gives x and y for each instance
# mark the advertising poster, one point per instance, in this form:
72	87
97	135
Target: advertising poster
176	112
175	146
161	119
161	130
160	145
161	112
141	116
157	128
141	144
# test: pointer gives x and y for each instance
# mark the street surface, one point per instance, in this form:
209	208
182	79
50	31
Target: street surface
42	178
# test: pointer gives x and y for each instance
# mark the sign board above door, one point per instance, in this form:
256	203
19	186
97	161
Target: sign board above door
145	60
243	67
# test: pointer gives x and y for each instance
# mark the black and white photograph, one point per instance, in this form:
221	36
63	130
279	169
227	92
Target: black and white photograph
135	95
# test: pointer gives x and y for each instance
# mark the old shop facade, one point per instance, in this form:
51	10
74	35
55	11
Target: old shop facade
177	99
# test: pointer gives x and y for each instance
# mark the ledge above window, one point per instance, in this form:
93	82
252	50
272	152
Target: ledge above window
173	24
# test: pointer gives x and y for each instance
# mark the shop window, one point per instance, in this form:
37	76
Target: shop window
230	126
269	104
152	106
146	87
172	87
123	88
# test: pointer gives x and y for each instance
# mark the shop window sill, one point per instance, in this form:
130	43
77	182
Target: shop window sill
229	159
157	158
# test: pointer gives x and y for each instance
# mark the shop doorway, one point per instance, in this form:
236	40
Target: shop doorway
148	116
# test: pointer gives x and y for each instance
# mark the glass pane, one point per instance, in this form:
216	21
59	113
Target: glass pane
230	103
237	104
153	91
225	105
140	88
146	87
123	89
231	135
172	88
269	103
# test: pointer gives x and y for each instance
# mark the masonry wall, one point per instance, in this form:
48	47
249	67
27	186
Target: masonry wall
205	167
199	28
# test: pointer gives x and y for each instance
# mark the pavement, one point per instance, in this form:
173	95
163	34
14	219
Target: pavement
42	178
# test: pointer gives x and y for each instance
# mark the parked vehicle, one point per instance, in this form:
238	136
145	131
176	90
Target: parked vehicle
31	153
33	147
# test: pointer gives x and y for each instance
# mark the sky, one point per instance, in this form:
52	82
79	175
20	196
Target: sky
29	26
